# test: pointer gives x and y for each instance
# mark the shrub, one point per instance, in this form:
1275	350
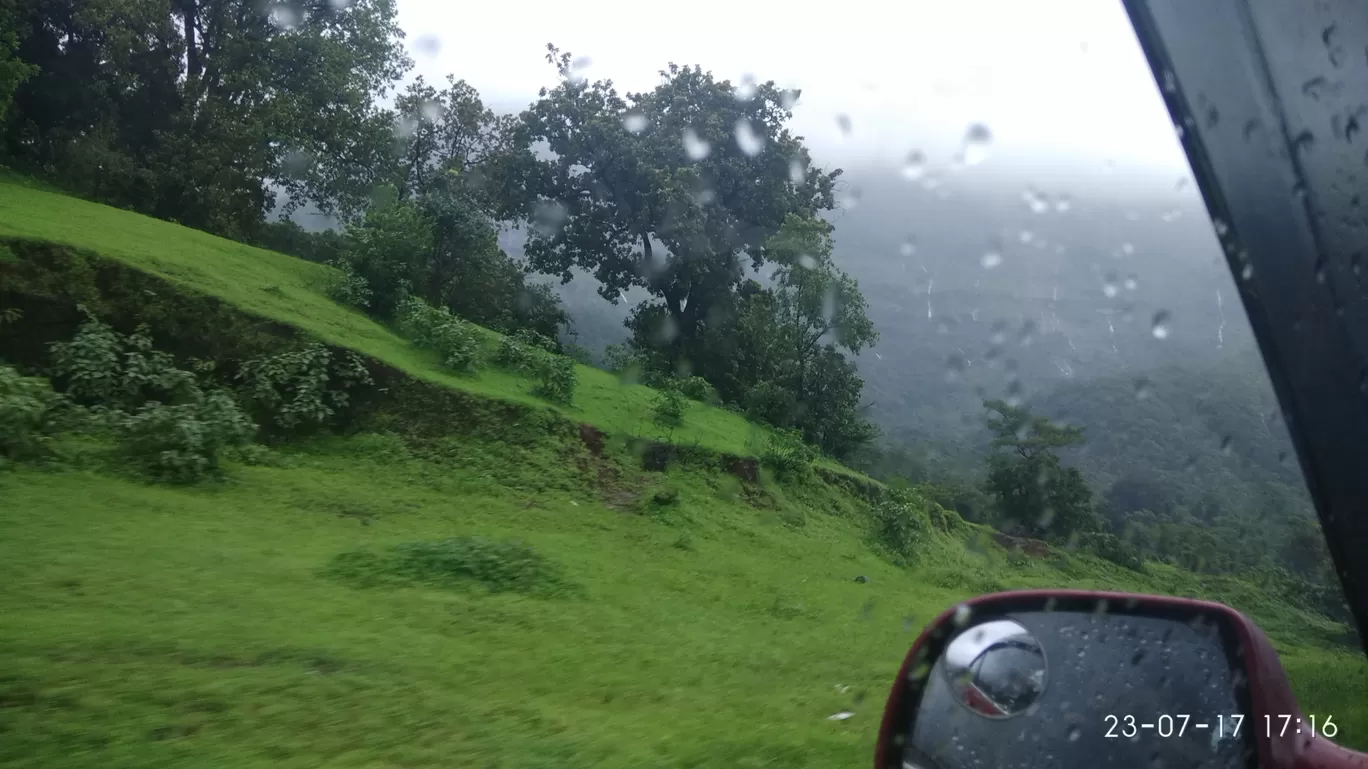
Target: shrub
1110	547
578	353
182	442
697	388
899	524
499	565
557	374
784	452
668	410
30	415
530	338
112	371
302	388
348	287
517	356
454	340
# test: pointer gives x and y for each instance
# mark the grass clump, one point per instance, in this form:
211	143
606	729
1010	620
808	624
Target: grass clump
668	409
557	380
784	453
501	566
900	526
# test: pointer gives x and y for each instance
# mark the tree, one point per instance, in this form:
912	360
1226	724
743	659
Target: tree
389	249
652	189
13	70
1036	494
198	110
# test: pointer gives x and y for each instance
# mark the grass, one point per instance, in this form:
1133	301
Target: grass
150	626
511	605
289	290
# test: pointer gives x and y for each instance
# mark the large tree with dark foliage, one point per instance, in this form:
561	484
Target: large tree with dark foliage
672	190
197	110
1036	495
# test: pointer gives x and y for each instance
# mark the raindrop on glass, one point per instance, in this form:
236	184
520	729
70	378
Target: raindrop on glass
1127	249
747	139
1109	288
977	141
745	90
432	111
788	97
427	45
284	17
962	615
908	246
1143	388
806	261
694	146
1026	236
1075	733
1160	326
843	123
1131	283
635	122
797	171
914	165
990	259
1063	204
1226	440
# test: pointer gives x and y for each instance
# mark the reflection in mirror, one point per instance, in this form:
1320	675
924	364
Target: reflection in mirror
997	668
1038	689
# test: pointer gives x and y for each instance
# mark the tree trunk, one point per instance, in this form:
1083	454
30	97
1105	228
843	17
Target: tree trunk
190	12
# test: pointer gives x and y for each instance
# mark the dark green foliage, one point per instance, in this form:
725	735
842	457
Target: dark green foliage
162	421
518	356
387	250
31	414
900	525
287	237
455	341
107	370
501	566
556	374
669	407
168	108
1036	495
347	286
303	388
182	443
1108	546
784	453
698	389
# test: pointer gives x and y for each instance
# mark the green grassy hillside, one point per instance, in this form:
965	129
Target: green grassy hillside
284	617
290	291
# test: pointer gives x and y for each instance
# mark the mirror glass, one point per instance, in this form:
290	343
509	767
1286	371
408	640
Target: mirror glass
1059	688
996	668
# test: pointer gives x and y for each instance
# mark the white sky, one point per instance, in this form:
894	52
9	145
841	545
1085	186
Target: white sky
1058	82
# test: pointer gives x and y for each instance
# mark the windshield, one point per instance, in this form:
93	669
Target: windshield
407	382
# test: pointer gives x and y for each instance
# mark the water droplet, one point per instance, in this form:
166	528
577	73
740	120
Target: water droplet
788	97
1156	761
1160	326
745	90
1170	82
1143	388
340	5
962	615
1226	440
635	122
843	123
694	146
1127	249
914	165
1131	283
806	261
908	246
1220	226
284	17
1303	141
1026	236
841	716
1109	288
797	171
1063	204
427	45
977	140
991	259
432	111
747	139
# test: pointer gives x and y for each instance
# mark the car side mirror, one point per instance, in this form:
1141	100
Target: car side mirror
1038	679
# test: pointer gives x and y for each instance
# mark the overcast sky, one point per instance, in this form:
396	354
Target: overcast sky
1058	82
